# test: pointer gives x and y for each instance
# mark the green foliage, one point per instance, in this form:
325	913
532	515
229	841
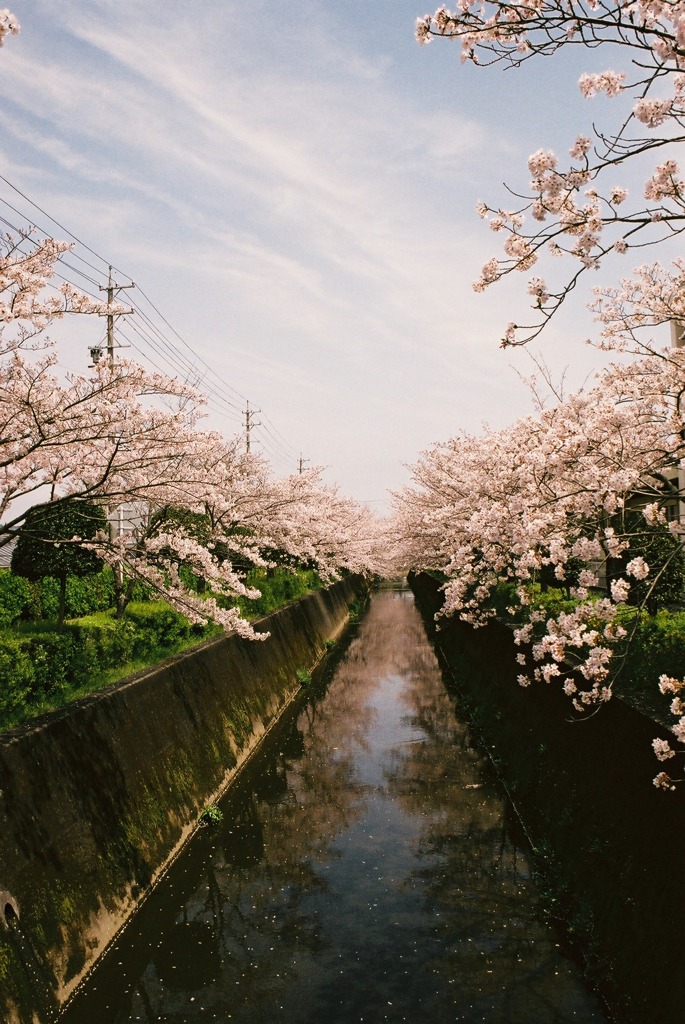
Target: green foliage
55	663
34	601
655	645
34	611
37	666
91	593
552	600
157	625
211	815
83	595
45	547
15	596
104	640
47	592
663	554
278	587
41	667
506	604
303	677
16	675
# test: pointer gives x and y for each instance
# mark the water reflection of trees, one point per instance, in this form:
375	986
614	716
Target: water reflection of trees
473	876
237	935
250	922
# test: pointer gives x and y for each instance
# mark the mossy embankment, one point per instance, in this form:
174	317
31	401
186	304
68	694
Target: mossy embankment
98	795
608	847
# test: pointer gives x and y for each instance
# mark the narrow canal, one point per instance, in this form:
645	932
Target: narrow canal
366	871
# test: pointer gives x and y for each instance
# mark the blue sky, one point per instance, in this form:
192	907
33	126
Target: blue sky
293	186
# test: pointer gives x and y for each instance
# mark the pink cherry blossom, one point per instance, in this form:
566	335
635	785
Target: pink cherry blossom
662	749
551	488
584	228
638	568
9	26
123	436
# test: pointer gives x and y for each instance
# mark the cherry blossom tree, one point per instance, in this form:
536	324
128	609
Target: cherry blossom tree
236	516
597	477
122	435
318	526
579	207
118	435
571	491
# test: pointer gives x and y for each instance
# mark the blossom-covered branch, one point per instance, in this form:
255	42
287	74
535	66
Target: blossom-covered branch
121	436
574	496
576	207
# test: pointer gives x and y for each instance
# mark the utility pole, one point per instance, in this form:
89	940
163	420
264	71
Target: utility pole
249	424
112	289
300	464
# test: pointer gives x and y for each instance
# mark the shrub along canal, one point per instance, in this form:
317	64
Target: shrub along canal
366	869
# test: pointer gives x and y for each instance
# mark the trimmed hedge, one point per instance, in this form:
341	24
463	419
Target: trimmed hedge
20	599
15	596
156	625
35	667
16	674
33	602
39	666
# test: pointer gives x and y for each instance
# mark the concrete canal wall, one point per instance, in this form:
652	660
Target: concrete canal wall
96	797
609	847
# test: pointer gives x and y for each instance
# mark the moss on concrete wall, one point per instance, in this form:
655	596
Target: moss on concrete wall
96	797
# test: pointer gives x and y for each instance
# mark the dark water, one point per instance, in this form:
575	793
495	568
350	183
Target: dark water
367	872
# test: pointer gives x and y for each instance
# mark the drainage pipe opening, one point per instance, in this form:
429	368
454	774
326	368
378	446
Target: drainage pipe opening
9	911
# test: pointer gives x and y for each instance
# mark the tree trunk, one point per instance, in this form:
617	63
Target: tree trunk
62	602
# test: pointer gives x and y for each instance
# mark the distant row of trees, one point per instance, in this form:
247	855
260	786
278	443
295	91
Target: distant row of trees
82	446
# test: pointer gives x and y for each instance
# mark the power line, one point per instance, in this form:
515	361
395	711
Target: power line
81	273
152	339
276	431
287	451
221	396
196	354
181	362
56	222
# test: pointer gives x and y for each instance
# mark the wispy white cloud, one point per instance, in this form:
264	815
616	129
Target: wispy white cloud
299	207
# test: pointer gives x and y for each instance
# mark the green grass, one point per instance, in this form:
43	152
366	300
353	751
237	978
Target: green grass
129	668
